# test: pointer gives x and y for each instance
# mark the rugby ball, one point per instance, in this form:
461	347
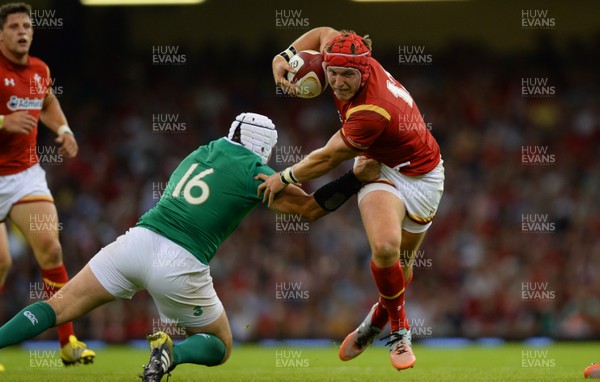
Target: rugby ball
309	76
592	371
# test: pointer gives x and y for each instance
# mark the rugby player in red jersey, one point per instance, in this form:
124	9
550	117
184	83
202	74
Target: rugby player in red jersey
26	98
379	120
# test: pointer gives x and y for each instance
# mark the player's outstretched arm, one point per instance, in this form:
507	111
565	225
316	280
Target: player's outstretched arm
53	117
328	198
314	39
315	164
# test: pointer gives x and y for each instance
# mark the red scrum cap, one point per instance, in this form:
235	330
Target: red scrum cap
348	50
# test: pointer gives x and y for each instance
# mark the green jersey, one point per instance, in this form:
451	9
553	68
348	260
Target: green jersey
208	195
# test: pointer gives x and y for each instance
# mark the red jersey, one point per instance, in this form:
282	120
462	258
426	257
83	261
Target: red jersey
384	122
22	87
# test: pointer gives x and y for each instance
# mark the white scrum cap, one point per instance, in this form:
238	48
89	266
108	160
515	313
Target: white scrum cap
257	134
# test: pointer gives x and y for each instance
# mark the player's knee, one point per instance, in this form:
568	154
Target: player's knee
386	251
49	253
5	262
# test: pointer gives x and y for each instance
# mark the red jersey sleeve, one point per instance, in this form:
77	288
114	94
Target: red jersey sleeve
363	125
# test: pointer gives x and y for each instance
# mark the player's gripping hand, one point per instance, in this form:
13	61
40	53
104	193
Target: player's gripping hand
366	169
19	122
270	187
280	68
68	145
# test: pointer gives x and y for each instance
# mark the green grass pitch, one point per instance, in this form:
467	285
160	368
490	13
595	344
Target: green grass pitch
512	362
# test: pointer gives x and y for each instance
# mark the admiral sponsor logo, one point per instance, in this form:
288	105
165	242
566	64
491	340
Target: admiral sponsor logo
17	103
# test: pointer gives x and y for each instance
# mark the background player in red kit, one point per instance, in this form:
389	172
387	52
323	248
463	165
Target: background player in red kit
25	98
379	120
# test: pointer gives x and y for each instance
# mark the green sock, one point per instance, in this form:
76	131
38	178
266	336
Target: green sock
28	323
200	349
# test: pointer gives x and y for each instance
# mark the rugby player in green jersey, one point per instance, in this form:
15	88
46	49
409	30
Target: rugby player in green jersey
167	253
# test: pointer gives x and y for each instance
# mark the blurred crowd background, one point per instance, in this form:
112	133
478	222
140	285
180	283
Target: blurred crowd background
481	272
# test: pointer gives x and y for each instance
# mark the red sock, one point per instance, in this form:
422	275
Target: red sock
381	317
390	283
54	279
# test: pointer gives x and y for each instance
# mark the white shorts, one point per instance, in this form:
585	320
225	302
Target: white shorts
23	187
180	284
421	194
